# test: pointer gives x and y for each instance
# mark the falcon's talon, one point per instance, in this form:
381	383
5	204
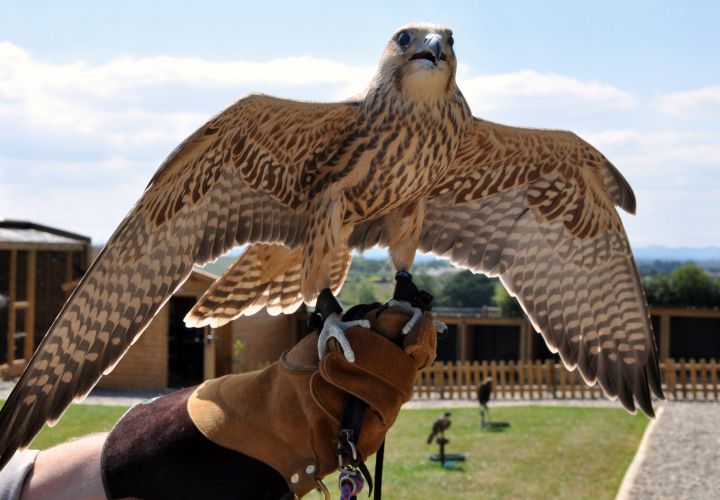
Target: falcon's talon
405	306
440	327
335	328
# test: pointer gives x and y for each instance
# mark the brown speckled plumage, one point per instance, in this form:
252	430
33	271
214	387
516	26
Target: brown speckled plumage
404	165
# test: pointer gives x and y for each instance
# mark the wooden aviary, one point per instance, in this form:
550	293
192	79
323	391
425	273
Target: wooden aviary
38	264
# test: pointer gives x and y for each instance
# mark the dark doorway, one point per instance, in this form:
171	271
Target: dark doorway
541	349
496	342
447	345
186	346
694	338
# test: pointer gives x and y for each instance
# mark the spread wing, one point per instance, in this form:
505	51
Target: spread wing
537	209
264	276
242	177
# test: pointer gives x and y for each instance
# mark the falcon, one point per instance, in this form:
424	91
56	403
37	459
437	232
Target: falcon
404	165
440	426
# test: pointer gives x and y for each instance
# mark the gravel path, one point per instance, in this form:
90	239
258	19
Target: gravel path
681	455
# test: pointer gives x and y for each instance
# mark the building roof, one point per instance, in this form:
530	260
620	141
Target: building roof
23	234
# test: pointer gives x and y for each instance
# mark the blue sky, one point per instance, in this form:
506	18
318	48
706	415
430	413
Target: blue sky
93	95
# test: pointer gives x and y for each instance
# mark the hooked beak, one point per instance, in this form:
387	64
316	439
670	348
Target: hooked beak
434	44
432	49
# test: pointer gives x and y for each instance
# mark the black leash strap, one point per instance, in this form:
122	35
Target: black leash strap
408	291
379	458
351	421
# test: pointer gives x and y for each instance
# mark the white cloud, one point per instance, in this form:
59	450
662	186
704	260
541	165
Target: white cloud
531	91
129	102
80	141
663	152
90	198
698	103
115	102
662	166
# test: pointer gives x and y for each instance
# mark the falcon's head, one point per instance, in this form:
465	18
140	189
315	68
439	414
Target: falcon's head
419	61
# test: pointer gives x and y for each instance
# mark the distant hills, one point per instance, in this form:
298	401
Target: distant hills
702	254
649	253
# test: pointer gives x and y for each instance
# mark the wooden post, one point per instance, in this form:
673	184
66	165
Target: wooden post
530	379
469	385
549	368
529	338
29	328
714	366
539	378
69	267
450	376
12	326
439	377
670	377
562	384
511	378
692	366
476	373
463	339
494	375
682	369
664	336
703	378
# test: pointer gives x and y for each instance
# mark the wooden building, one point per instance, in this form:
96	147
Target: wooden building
38	264
169	354
482	335
39	267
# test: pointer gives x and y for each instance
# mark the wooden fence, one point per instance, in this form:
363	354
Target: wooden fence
682	380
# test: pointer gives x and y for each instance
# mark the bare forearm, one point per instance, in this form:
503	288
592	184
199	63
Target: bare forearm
68	471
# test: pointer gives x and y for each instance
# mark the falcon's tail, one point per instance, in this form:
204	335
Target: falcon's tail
430	437
264	275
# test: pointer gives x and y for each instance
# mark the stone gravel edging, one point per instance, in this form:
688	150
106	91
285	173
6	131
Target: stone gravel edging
681	459
632	471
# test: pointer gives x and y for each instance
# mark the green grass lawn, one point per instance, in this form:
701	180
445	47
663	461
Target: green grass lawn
79	420
548	452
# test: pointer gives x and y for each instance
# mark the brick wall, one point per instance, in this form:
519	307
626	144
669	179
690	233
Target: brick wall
264	337
144	366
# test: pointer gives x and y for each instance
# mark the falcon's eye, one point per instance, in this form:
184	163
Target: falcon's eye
451	41
403	39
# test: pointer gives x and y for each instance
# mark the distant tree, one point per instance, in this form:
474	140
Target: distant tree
368	266
687	286
694	287
659	289
509	306
366	293
653	267
465	289
428	283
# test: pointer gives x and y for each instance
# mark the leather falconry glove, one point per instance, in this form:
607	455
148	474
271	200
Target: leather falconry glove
288	415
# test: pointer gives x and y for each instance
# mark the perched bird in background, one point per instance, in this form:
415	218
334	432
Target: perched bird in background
440	426
404	165
483	393
483	396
